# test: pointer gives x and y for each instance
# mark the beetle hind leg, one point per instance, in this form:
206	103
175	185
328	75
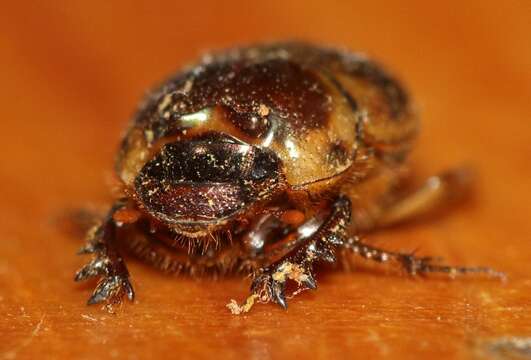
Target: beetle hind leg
106	263
436	192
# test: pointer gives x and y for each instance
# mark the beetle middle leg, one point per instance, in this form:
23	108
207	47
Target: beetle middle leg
413	265
436	192
107	262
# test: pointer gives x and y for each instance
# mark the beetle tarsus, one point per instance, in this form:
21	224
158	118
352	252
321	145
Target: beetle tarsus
309	282
414	265
88	248
97	266
279	295
424	265
112	288
106	263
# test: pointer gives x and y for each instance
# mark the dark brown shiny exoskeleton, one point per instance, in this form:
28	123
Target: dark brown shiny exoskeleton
265	160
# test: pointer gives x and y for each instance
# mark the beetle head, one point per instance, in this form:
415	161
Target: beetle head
199	185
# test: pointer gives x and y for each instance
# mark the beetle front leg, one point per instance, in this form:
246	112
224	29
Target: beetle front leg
107	261
269	284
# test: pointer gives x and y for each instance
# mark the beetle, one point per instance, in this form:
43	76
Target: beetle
265	160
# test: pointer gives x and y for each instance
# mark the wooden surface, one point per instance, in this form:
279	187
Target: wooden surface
71	76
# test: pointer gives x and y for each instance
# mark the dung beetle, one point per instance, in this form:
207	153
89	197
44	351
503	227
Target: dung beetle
265	160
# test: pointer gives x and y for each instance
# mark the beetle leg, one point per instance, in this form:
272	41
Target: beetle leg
412	264
107	262
297	265
436	192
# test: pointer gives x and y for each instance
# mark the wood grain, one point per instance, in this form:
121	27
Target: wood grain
73	72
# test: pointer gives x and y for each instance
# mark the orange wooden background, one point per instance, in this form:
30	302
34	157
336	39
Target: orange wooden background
71	75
